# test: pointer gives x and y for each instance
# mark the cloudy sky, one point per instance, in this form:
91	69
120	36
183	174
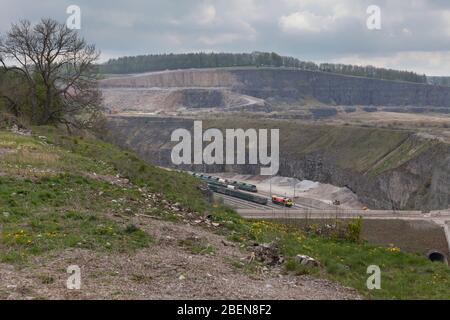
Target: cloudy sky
414	35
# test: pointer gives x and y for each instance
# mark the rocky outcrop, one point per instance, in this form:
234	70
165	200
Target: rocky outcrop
198	98
338	89
200	78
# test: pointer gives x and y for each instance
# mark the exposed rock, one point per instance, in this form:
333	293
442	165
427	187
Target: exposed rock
337	89
20	130
268	253
294	84
305	260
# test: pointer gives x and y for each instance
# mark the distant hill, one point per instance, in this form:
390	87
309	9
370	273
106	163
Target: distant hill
159	62
439	81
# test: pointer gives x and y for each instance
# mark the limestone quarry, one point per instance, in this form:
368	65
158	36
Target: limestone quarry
358	141
290	86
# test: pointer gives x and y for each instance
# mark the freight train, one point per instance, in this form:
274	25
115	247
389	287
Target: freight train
231	188
224	182
231	191
244	186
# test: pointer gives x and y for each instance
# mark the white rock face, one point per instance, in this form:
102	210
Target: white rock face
307	261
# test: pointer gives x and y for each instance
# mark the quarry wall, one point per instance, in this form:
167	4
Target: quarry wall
290	84
409	173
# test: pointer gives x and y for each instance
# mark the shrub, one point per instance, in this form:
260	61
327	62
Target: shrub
354	229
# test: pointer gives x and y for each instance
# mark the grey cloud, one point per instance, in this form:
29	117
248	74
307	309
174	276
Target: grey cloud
138	27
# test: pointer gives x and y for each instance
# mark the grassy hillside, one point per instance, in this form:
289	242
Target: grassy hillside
59	193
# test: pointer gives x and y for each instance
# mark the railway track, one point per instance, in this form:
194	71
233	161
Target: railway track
298	206
244	204
274	206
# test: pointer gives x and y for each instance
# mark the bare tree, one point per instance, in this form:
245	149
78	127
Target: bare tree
58	68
